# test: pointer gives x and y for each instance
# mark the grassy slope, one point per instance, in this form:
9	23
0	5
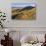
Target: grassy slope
26	14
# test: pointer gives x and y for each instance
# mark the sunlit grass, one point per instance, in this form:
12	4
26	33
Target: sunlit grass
26	14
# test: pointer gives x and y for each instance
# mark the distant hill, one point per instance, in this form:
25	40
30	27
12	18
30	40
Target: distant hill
27	8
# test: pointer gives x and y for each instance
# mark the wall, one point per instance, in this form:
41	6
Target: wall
5	5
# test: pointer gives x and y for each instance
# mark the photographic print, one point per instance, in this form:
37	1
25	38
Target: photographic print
23	11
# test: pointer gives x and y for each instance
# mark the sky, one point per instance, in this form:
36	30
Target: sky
23	4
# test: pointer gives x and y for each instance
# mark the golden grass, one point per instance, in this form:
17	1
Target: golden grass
26	14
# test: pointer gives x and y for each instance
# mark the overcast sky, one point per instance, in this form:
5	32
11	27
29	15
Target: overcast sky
23	4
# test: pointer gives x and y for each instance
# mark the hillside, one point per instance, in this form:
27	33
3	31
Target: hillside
24	13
